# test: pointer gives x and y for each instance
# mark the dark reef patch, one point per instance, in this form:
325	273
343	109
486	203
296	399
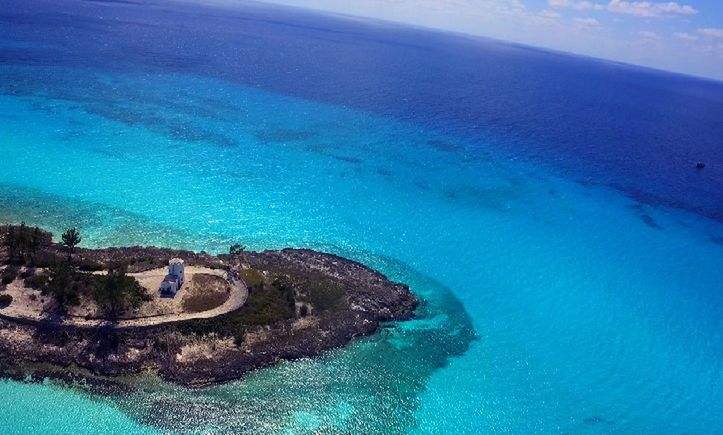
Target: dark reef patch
345	159
641	210
650	221
281	135
422	185
184	133
446	146
494	197
384	172
596	420
102	225
70	135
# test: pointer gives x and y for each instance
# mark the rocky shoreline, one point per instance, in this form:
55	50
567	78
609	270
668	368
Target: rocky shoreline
332	300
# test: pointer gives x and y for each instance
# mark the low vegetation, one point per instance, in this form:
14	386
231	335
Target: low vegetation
270	300
8	275
64	283
114	292
254	279
274	297
23	243
271	303
236	250
276	293
205	292
65	278
5	300
117	292
321	292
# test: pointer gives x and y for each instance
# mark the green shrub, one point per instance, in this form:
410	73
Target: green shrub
27	273
5	300
236	249
116	291
22	242
253	278
37	282
88	265
46	259
61	281
321	292
266	305
9	275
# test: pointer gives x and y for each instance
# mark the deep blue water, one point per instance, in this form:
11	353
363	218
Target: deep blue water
546	207
635	129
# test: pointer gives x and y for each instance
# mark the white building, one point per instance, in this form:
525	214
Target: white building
174	280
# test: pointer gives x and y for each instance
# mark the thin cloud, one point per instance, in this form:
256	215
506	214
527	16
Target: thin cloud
546	18
648	37
636	8
645	34
711	33
650	9
685	36
552	15
579	5
586	23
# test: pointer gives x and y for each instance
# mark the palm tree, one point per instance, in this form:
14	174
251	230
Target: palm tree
71	239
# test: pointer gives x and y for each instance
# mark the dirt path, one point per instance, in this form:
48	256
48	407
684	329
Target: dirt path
237	297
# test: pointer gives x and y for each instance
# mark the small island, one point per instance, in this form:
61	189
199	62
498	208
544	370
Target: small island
191	318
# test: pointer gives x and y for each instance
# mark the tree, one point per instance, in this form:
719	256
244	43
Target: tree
10	241
61	277
236	249
71	238
22	242
36	240
22	239
117	291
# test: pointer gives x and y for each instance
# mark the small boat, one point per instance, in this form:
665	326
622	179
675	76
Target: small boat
700	165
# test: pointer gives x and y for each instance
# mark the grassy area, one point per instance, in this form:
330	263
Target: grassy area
206	292
271	303
320	292
270	300
253	278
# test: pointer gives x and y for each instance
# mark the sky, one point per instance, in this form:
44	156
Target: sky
685	36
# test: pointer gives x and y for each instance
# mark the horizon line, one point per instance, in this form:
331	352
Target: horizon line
310	10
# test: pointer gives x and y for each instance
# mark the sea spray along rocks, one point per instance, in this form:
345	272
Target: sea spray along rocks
235	313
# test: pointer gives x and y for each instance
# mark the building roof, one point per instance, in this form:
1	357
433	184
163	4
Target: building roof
170	278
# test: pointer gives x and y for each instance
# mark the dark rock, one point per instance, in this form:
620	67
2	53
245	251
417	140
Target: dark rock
367	299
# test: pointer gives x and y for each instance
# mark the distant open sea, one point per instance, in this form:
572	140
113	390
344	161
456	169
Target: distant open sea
545	207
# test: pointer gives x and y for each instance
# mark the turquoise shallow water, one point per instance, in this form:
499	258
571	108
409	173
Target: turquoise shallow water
60	410
580	316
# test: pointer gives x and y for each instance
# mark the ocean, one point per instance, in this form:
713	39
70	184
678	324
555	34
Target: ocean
545	207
